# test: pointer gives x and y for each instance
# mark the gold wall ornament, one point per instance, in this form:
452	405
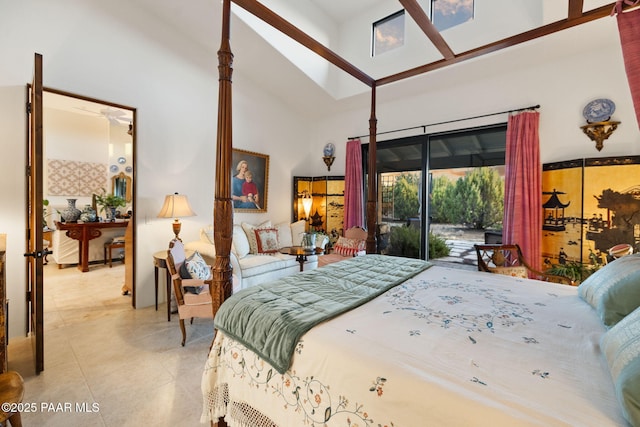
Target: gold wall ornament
599	131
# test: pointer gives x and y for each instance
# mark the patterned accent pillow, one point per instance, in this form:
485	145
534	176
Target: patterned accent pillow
349	247
267	239
517	271
621	347
251	235
614	290
195	267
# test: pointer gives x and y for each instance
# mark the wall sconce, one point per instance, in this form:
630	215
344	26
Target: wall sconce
599	125
599	131
328	157
176	206
307	201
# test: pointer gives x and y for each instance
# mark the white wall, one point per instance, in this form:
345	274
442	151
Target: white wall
133	60
526	76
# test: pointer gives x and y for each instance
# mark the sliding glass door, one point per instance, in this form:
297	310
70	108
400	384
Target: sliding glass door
464	187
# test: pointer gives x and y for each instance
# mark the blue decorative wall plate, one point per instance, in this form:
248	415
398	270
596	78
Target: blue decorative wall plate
599	110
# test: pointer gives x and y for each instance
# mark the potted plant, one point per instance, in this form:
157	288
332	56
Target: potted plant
109	203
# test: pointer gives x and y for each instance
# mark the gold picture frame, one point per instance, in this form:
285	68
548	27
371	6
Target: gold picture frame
249	195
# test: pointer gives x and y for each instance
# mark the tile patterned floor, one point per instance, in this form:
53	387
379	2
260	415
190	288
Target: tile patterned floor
107	364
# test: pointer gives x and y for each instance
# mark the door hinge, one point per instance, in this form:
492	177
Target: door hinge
28	171
28	296
28	108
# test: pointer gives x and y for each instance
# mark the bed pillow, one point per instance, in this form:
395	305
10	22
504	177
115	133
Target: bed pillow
348	247
249	230
614	290
621	347
267	239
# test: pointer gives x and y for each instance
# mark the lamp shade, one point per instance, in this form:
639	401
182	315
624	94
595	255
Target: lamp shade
307	201
176	206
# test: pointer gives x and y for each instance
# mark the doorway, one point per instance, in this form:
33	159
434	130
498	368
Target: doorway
88	150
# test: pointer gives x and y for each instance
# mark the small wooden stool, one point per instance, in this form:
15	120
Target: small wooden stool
11	391
116	243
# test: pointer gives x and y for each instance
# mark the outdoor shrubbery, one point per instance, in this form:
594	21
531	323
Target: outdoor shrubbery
405	241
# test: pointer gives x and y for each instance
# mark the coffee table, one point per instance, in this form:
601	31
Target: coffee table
301	253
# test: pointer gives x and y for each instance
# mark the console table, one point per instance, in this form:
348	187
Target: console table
84	232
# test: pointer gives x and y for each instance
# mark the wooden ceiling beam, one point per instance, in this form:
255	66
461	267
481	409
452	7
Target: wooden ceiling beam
287	28
575	9
545	30
422	20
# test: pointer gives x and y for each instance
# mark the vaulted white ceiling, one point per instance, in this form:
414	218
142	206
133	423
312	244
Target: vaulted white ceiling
292	72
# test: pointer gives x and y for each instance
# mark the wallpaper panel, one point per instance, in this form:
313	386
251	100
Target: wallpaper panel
75	178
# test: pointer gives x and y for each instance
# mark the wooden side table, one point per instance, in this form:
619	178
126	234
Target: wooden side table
160	261
300	253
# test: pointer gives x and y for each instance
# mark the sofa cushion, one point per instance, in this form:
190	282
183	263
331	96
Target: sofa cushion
240	243
284	234
253	265
297	230
267	239
251	235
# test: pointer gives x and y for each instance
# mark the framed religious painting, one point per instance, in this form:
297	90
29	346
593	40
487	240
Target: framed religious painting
249	181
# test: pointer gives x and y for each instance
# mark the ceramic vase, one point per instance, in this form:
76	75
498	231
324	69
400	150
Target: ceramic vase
70	213
88	214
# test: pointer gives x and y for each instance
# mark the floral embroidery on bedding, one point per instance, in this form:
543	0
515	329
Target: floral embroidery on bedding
308	396
501	311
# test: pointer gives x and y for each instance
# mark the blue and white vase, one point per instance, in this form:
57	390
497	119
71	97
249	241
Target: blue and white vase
70	213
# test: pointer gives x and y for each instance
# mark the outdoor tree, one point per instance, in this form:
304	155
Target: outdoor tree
405	196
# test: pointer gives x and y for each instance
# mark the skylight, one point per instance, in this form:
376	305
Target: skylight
449	13
388	33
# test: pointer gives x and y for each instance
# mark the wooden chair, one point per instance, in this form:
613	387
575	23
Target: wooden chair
508	260
11	392
190	305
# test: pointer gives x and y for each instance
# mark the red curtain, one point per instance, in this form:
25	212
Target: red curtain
522	223
629	29
353	190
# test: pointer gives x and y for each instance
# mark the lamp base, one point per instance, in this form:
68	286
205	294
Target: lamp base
176	228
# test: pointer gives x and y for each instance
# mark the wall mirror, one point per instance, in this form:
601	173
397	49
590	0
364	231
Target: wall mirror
121	185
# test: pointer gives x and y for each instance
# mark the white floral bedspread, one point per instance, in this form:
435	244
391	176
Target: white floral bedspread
446	348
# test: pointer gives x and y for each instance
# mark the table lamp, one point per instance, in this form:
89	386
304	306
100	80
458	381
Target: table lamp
176	206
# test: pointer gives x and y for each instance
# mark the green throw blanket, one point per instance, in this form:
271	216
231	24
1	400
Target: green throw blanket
270	318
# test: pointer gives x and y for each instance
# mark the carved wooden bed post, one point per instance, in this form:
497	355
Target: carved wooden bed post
372	181
223	207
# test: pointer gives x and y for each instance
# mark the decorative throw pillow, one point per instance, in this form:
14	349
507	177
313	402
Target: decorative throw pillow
348	247
206	234
195	267
240	243
614	290
284	234
297	230
518	271
267	239
251	235
621	347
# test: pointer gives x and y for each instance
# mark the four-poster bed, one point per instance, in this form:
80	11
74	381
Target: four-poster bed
439	347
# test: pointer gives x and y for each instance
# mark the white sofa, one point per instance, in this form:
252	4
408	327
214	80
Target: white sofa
249	267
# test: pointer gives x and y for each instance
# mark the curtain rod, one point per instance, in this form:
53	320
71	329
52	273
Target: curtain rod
424	130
